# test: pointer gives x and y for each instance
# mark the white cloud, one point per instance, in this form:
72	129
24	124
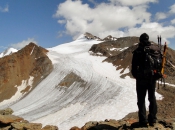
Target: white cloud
22	44
161	15
153	29
132	2
173	21
5	9
61	21
164	15
116	18
81	18
172	9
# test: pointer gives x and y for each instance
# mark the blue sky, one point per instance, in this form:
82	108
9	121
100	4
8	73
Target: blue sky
52	22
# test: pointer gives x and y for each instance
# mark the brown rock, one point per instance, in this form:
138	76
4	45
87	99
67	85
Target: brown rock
18	125
6	128
6	119
89	125
75	128
32	126
50	127
7	111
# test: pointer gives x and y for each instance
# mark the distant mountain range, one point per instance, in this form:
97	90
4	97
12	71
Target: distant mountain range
9	51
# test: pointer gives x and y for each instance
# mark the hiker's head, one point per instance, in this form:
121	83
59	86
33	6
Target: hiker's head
144	39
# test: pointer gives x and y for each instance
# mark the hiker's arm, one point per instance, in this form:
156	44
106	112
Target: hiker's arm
134	65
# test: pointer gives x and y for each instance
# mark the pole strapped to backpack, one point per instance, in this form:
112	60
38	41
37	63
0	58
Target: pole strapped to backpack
163	61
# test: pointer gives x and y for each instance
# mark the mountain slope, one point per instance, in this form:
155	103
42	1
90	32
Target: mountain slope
80	88
22	71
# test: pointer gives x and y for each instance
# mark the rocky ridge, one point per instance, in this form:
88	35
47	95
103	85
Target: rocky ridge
26	66
89	36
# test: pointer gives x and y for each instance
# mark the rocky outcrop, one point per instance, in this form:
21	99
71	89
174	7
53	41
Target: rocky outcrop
113	47
12	122
27	67
110	38
7	111
89	36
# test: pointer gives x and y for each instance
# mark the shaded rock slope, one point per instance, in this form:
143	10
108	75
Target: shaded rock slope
27	66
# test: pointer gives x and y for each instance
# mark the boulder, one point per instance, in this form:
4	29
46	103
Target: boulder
7	111
6	119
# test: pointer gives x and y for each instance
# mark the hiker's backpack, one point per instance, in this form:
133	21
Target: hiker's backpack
153	62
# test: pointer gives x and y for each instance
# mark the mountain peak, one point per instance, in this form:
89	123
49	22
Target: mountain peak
89	36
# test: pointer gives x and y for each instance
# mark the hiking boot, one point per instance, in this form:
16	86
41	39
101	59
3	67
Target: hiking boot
143	124
152	123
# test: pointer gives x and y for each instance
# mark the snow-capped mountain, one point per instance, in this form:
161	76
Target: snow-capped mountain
8	52
80	88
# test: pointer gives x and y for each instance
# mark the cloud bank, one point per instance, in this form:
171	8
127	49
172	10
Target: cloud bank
116	17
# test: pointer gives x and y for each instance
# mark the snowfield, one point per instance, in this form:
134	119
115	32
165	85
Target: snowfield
100	95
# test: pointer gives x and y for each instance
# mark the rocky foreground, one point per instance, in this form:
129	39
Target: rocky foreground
11	122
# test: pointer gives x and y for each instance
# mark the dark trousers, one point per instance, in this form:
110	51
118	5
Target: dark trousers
142	87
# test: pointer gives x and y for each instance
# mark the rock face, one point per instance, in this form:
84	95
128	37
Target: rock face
27	67
113	47
89	36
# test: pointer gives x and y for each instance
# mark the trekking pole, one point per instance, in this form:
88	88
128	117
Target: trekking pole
159	45
163	62
158	41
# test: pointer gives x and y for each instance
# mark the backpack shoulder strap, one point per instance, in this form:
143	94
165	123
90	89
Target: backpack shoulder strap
153	49
138	50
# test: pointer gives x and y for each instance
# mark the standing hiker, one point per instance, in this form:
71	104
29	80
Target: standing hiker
145	80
